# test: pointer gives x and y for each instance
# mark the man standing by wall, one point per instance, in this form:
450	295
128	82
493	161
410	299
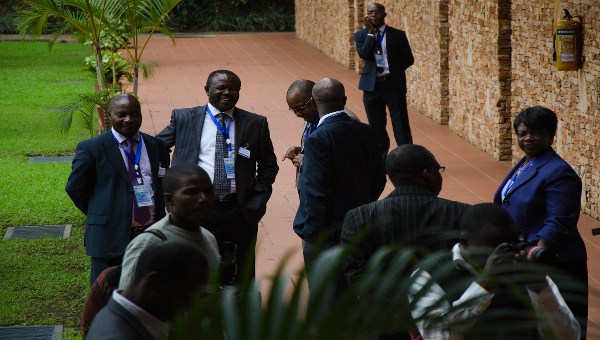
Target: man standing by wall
116	181
387	55
341	170
234	147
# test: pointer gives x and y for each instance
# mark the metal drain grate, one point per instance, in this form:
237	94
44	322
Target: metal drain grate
51	159
33	232
31	332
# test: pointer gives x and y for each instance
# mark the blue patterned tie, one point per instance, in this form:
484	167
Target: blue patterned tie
221	183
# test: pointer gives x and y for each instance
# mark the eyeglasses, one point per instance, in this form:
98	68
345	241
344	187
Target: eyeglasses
298	109
440	169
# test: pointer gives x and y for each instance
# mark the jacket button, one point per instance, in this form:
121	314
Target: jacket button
506	203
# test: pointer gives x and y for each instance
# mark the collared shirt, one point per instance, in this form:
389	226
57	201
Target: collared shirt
206	158
155	326
144	164
325	117
556	319
386	68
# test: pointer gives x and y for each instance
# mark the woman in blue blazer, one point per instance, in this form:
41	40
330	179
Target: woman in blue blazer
543	195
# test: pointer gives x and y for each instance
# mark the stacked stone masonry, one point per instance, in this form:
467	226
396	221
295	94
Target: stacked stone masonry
478	63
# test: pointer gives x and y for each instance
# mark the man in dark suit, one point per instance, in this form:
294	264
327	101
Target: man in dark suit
116	181
300	101
234	147
167	276
387	55
341	170
412	215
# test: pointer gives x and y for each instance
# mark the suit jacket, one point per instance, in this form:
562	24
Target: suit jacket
254	176
115	322
410	216
100	187
341	170
545	202
399	56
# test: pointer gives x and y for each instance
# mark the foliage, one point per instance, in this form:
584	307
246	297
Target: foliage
210	16
374	305
43	281
115	66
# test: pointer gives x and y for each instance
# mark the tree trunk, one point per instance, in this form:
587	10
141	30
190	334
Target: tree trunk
136	71
102	84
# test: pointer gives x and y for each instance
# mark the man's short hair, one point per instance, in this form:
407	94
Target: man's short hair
488	221
406	162
302	86
172	180
122	96
173	261
214	73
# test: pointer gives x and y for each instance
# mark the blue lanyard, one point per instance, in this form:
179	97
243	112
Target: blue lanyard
380	41
138	152
515	177
225	131
308	129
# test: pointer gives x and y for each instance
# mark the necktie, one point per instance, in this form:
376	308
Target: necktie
141	215
221	183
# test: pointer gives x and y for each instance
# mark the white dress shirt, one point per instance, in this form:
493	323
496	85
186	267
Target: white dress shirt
206	158
556	321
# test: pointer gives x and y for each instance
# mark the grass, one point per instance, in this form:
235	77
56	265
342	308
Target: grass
42	281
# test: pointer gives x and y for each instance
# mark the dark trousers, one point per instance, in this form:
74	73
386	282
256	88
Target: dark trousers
228	225
98	265
386	93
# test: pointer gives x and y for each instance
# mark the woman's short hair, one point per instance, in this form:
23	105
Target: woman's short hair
537	118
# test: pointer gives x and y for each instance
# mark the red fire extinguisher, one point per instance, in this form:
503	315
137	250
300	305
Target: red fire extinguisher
568	44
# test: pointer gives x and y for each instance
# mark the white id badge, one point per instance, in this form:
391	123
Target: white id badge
380	60
229	167
244	152
142	196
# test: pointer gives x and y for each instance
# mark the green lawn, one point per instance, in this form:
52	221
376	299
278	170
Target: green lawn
41	281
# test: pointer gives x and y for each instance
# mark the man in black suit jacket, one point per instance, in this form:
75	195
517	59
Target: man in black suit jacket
250	175
341	170
387	55
412	215
100	183
167	276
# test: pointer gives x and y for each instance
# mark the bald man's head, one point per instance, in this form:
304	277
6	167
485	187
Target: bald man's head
329	95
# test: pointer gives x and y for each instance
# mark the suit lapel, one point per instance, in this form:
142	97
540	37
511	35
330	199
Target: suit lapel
113	154
198	115
528	174
240	127
152	150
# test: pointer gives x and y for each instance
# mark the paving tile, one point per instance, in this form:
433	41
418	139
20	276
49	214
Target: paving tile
267	63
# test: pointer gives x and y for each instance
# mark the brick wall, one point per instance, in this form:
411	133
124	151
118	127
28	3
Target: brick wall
573	95
479	78
326	24
478	63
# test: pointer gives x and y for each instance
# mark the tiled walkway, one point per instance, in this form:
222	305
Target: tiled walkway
267	64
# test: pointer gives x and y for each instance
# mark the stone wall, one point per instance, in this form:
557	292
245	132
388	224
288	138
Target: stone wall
573	95
479	78
326	24
478	63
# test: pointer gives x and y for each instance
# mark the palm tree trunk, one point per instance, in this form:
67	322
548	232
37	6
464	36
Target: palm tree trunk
136	71
101	84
